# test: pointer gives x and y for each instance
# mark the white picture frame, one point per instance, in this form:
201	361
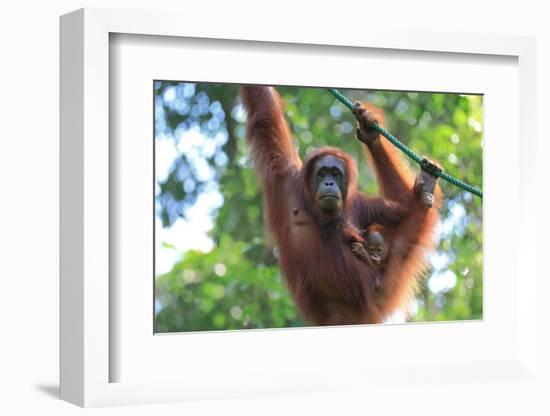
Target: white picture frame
86	349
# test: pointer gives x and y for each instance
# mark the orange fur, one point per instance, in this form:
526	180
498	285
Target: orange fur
329	284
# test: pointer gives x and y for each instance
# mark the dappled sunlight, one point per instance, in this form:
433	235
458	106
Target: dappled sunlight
442	281
182	236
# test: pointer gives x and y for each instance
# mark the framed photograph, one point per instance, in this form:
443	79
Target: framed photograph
286	213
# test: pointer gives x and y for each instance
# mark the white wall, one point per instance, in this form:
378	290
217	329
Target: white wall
29	66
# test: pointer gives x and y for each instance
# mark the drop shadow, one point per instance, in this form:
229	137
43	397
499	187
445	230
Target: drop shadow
51	390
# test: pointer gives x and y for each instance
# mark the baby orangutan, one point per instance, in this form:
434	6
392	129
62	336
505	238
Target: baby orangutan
375	249
368	245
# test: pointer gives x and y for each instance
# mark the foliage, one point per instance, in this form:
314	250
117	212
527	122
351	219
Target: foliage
237	283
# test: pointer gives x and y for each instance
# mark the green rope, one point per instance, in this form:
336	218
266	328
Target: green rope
421	161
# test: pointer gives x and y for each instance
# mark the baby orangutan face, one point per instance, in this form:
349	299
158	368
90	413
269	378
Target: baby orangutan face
375	247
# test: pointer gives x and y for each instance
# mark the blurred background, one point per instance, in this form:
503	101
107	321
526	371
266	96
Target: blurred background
215	265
